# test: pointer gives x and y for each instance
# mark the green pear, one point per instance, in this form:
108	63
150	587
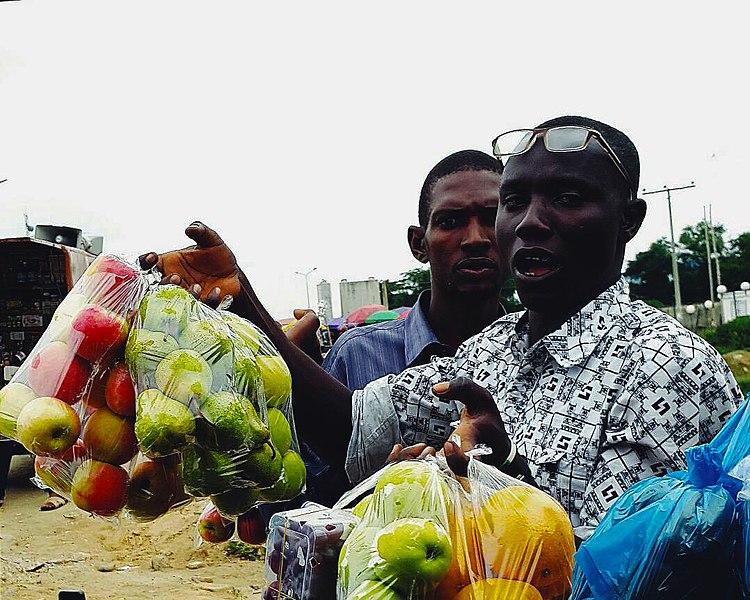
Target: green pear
167	308
13	397
250	335
281	431
247	380
262	465
144	351
184	375
210	338
209	472
236	501
230	422
291	481
277	381
162	425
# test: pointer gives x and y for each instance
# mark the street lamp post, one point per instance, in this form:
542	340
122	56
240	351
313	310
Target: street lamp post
307	287
675	271
690	310
720	291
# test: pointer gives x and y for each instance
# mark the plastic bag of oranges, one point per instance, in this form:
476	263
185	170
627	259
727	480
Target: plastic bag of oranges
516	541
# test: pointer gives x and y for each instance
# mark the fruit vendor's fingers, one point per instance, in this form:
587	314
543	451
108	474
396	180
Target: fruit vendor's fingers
148	260
172	278
393	456
428	451
213	297
299	313
303	332
203	235
474	397
456	458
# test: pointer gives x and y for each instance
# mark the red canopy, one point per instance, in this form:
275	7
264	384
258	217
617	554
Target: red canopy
358	315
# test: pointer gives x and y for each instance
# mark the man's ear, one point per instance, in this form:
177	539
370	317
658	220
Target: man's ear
632	218
415	235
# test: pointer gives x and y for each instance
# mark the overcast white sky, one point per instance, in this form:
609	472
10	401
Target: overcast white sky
302	131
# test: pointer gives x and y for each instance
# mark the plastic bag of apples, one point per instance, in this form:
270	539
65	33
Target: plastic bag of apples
72	402
212	389
425	534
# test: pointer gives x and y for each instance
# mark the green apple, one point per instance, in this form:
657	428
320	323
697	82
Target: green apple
167	309
184	375
246	331
162	425
357	558
413	550
291	481
145	349
209	472
59	325
13	397
210	338
411	488
236	501
360	509
281	431
374	590
247	379
47	426
262	465
230	422
277	381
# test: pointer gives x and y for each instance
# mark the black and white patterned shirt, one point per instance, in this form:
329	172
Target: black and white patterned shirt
615	395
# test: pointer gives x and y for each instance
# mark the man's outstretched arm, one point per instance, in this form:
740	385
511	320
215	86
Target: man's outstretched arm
322	405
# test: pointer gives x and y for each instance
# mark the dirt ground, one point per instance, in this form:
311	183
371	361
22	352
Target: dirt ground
44	552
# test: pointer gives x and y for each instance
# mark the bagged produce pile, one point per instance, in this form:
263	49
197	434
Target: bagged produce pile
423	534
680	536
138	397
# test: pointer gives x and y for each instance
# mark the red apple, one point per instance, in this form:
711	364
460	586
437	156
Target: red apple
119	390
96	331
57	473
56	371
47	426
99	487
93	395
214	528
104	277
153	489
251	528
110	437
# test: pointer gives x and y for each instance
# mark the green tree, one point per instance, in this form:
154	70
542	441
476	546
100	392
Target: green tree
650	273
404	291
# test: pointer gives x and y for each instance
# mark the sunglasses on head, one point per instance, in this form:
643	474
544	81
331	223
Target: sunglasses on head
566	138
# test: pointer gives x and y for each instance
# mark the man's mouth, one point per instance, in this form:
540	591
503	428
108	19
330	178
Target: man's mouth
476	267
535	263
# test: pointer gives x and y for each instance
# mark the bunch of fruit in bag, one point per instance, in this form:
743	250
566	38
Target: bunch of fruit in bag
72	403
302	552
213	389
424	535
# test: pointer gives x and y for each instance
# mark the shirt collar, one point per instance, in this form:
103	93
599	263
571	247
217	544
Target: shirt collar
577	338
419	334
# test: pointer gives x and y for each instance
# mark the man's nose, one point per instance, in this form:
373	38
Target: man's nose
533	223
477	234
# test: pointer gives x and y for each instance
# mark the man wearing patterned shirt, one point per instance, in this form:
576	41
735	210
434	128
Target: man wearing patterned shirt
596	392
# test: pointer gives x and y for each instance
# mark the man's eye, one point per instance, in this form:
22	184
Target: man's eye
447	222
569	199
511	201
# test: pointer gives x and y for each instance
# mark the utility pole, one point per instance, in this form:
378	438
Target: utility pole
715	253
675	271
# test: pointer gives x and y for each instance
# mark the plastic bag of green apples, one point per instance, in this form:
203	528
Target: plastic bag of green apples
72	402
212	388
425	534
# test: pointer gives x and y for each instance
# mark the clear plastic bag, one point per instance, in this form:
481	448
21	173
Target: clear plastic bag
425	534
72	402
212	389
302	552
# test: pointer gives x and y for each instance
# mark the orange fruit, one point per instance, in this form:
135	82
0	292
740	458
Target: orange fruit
499	589
527	536
467	564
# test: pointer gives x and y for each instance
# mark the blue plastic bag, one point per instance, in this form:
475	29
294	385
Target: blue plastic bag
666	538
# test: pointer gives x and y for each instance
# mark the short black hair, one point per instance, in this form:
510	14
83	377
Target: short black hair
618	141
463	160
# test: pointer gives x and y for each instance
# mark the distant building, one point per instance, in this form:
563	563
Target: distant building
325	303
360	293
